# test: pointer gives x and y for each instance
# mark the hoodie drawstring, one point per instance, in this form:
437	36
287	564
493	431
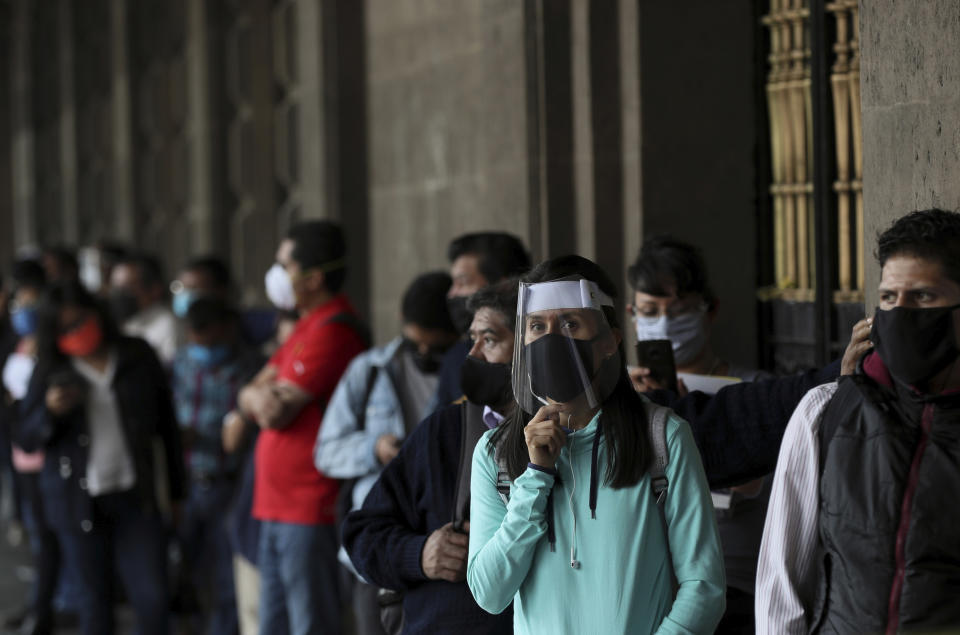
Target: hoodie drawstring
551	531
593	471
594	484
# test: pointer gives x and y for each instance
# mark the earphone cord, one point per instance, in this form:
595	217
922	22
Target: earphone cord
573	489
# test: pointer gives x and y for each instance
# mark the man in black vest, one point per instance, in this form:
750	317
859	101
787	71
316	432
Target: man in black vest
862	529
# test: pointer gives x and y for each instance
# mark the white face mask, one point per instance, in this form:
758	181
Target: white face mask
279	288
687	333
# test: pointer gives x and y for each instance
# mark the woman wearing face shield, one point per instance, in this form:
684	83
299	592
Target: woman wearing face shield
577	544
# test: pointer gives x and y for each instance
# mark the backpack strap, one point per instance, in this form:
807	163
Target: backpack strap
371	380
344	503
657	417
472	428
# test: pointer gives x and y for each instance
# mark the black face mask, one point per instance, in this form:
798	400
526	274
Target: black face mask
915	344
459	314
486	383
428	363
123	305
554	372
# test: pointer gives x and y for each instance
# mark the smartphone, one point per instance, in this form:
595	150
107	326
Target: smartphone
657	355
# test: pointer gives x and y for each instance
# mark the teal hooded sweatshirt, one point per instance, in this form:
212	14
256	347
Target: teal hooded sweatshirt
621	580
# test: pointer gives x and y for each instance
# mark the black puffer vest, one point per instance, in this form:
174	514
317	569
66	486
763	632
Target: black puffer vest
889	508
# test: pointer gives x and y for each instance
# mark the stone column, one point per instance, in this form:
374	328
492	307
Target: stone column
910	86
583	158
6	140
448	135
630	136
200	198
68	127
123	199
24	176
317	192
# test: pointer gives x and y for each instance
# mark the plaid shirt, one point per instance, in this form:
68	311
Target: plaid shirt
202	397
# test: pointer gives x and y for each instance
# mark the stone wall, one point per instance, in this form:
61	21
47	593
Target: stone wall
447	135
910	82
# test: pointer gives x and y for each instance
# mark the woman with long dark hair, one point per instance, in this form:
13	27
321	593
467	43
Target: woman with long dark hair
573	478
99	404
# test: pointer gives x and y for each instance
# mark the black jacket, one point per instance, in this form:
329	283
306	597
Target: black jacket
413	497
888	508
148	422
738	430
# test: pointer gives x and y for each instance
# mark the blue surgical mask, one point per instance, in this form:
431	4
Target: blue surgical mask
687	333
24	321
208	356
182	302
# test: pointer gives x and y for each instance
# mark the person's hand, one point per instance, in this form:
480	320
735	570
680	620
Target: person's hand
386	448
264	403
232	432
644	381
859	344
62	399
545	437
444	555
750	489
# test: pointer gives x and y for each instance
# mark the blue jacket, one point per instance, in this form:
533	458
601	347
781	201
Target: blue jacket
344	451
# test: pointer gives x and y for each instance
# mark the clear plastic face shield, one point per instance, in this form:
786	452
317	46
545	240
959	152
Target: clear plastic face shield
565	351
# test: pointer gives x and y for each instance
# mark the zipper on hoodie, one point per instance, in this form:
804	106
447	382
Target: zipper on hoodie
896	589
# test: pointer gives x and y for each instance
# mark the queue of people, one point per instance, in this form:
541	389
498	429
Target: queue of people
499	466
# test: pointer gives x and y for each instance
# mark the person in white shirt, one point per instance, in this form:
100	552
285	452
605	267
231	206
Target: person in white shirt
138	302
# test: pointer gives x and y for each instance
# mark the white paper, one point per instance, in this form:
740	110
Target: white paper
709	384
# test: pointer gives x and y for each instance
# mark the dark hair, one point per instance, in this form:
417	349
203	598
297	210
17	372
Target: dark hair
501	297
623	420
149	269
213	267
28	273
70	293
317	243
663	262
206	312
425	302
499	255
64	256
931	234
111	249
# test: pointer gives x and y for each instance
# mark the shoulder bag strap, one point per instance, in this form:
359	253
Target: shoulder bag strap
471	429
